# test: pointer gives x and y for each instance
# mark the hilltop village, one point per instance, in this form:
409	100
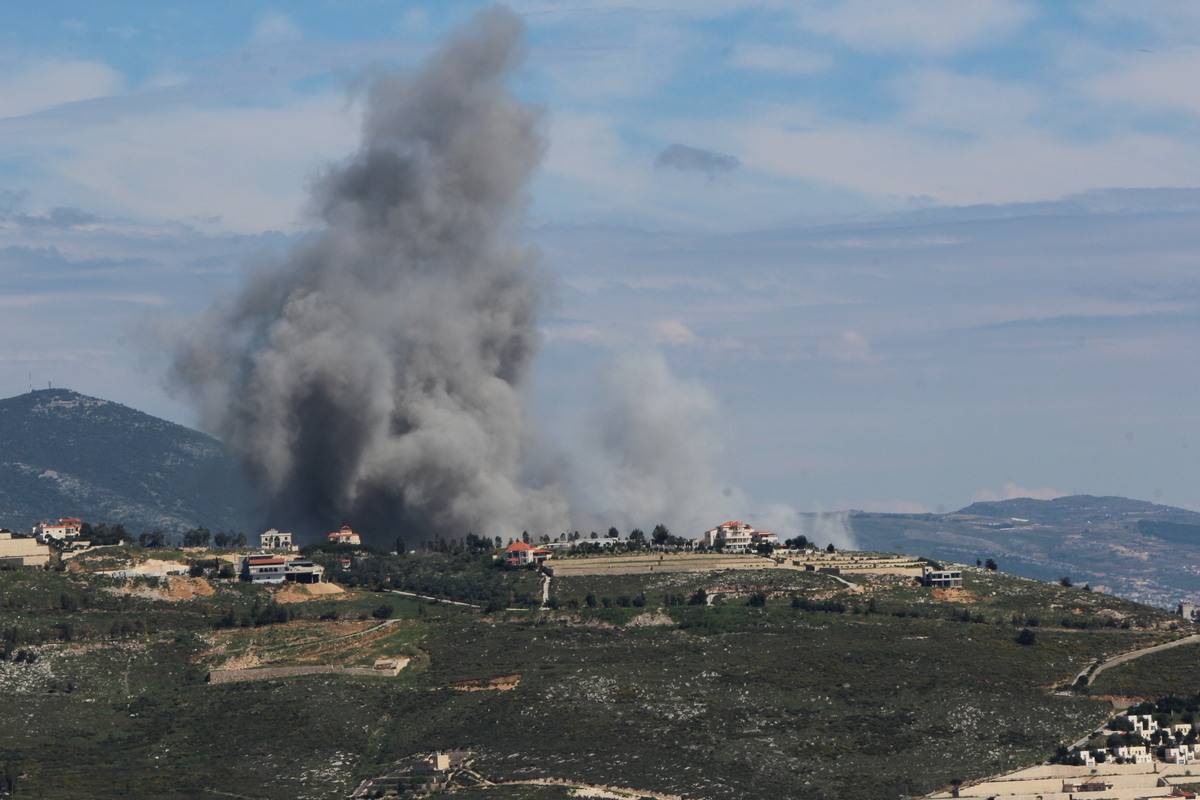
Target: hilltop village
439	653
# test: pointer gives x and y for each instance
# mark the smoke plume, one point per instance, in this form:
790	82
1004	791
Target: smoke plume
654	453
375	375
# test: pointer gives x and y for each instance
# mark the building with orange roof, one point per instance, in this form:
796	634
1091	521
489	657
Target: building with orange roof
65	528
523	554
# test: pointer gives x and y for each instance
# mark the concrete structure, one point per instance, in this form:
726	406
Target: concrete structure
302	571
733	536
17	551
1187	611
276	540
520	554
344	535
942	578
62	530
264	568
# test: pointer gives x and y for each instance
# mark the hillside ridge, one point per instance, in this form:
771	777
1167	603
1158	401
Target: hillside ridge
66	453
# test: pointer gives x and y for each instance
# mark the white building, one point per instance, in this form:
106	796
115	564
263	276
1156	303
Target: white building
60	531
731	537
276	540
1143	724
942	578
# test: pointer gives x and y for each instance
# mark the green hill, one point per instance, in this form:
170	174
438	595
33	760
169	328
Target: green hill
66	454
1134	548
793	685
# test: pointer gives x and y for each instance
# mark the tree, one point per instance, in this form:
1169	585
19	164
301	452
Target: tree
152	539
1026	637
590	600
978	562
401	546
613	533
660	535
525	537
221	539
1065	581
196	537
594	535
383	612
757	600
830	548
797	543
990	564
239	540
700	598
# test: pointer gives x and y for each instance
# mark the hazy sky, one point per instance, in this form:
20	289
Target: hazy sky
918	252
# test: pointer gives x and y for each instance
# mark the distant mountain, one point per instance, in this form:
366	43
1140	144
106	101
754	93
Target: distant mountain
1079	509
1140	550
65	454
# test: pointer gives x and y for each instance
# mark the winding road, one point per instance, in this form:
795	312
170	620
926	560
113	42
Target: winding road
1089	674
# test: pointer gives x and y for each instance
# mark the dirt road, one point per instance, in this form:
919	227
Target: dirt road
1090	676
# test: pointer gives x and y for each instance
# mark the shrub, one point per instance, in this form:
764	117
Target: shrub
1026	637
383	612
757	600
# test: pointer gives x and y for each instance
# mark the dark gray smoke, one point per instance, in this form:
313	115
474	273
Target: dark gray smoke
693	159
375	375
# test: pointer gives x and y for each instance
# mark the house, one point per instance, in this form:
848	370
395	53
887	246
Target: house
276	540
60	531
522	554
264	568
1088	759
764	537
303	571
733	536
344	535
19	551
942	578
1143	724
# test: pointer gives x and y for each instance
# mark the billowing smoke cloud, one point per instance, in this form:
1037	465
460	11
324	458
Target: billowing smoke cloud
655	453
375	375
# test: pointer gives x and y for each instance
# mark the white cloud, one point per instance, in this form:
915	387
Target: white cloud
245	168
275	28
780	60
1156	81
1015	165
849	347
27	89
1011	491
673	332
935	98
936	27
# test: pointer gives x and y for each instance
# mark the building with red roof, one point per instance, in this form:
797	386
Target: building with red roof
523	554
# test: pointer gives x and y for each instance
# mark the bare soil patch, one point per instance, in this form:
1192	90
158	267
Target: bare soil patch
502	683
955	596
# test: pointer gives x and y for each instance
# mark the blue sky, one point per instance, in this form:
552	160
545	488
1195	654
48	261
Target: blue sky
917	253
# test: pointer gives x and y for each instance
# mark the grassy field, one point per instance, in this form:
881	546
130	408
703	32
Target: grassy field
1175	671
892	695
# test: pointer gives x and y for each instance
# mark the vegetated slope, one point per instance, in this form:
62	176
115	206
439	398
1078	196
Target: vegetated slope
888	691
66	454
1144	551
